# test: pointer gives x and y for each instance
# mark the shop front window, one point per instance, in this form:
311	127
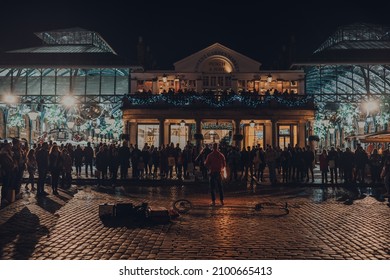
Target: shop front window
287	135
148	133
179	135
254	135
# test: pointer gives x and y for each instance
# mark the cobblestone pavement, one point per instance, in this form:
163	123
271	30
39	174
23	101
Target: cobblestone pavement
323	223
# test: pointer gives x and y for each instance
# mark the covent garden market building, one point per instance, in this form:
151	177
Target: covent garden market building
74	87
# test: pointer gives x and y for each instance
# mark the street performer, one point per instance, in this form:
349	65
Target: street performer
216	164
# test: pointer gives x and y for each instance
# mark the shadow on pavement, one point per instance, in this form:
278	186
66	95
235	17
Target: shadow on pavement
26	229
130	223
48	204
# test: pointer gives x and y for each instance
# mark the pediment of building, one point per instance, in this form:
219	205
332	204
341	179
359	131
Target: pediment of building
217	59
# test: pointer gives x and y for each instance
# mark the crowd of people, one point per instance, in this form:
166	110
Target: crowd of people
108	162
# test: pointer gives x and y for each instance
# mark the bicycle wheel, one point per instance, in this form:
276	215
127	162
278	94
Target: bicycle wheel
182	206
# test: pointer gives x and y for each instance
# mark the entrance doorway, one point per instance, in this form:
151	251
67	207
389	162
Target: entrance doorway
287	135
217	132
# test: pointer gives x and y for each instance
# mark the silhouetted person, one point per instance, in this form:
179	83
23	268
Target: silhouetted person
88	158
216	164
42	157
124	157
55	167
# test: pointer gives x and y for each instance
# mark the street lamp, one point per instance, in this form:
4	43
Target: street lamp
182	123
252	124
70	124
33	115
371	106
361	125
68	100
10	99
325	121
110	121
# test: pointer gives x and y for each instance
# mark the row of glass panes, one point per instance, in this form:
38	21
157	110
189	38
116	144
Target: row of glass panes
214	81
348	79
60	82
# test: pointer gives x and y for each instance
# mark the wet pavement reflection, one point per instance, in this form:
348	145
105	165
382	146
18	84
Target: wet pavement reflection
315	194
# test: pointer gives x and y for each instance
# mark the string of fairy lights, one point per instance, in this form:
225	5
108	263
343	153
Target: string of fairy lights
220	101
54	115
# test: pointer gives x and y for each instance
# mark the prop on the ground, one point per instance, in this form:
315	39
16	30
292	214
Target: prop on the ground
141	213
183	206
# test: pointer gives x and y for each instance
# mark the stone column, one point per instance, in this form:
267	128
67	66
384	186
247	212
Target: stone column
131	129
133	85
235	85
161	131
199	85
267	134
198	127
301	134
274	126
154	86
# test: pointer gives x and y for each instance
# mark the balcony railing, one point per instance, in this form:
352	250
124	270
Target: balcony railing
195	100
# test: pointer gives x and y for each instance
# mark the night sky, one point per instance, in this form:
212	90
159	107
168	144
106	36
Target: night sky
173	30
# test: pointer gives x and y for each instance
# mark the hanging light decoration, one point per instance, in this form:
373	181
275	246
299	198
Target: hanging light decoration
110	120
33	115
325	121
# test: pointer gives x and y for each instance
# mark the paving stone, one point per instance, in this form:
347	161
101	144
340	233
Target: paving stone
313	230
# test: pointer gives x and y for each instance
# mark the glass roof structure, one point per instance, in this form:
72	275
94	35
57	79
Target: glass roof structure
70	64
349	78
352	63
358	36
74	36
74	47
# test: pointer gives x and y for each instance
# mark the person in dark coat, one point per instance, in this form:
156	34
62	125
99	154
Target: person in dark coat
78	160
88	159
55	167
124	157
285	160
233	162
20	164
42	157
156	161
324	167
375	165
347	161
8	170
114	162
102	164
333	161
66	168
32	166
361	159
